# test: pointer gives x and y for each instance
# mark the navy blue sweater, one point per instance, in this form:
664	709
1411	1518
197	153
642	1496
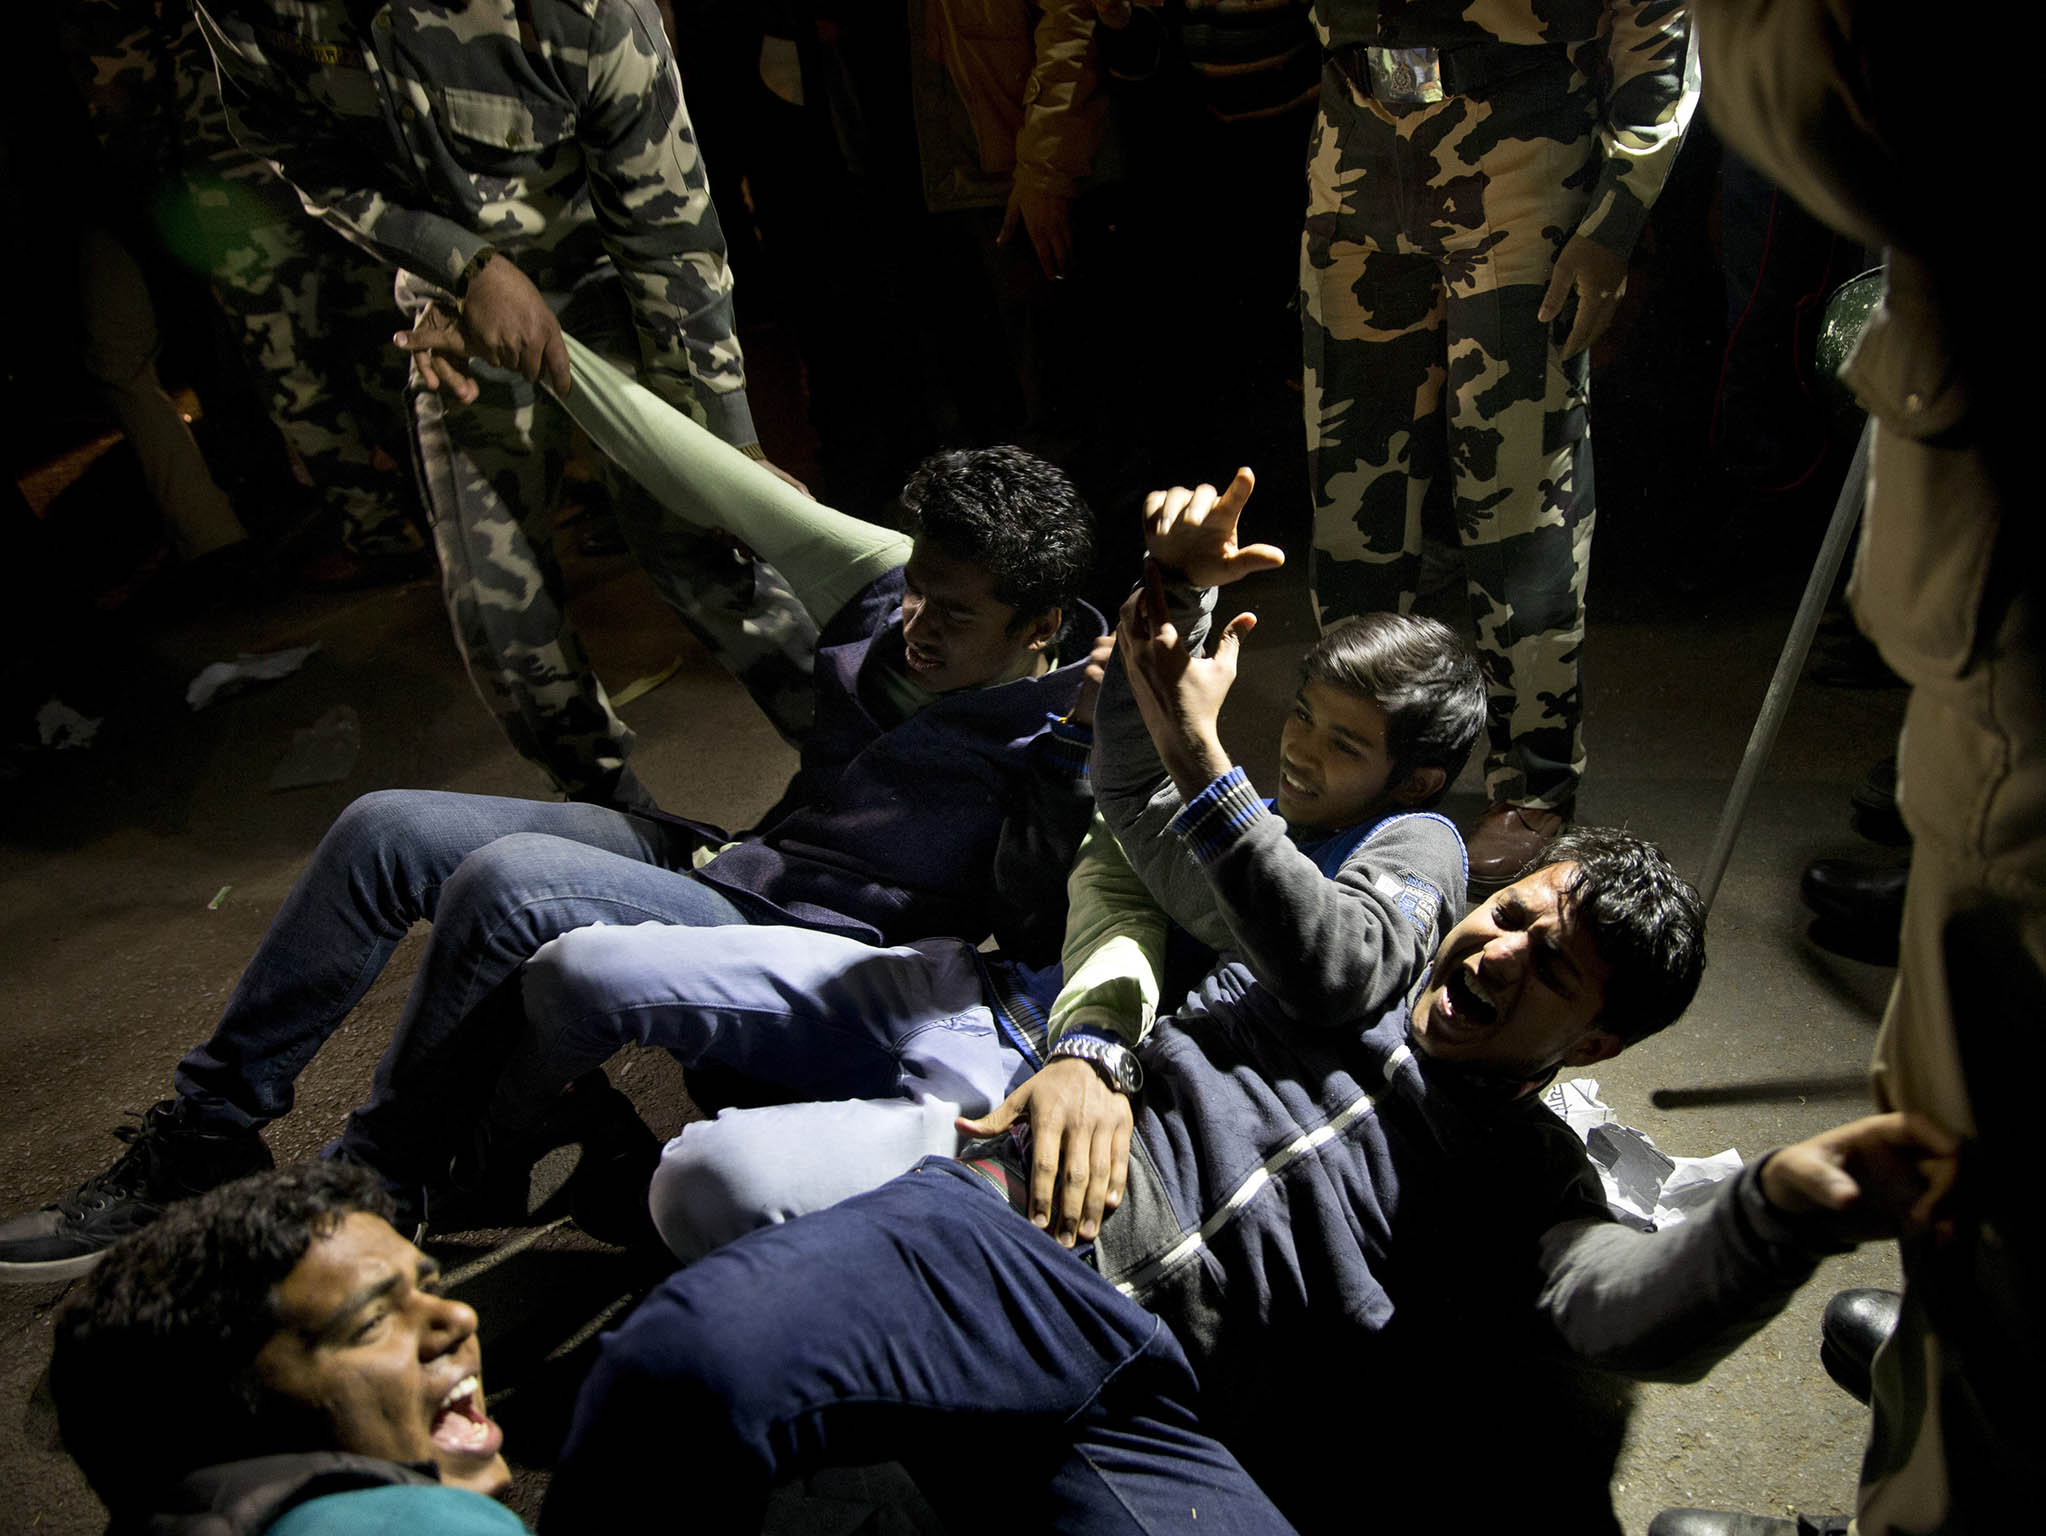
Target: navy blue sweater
959	821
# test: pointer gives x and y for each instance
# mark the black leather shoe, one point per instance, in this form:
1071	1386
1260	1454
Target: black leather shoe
1847	891
1856	1324
1860	907
1734	1522
1872	807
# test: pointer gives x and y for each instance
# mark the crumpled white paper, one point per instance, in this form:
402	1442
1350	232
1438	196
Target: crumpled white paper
225	676
1645	1187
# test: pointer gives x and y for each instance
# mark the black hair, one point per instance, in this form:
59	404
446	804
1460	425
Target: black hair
1421	674
1645	920
152	1373
1012	513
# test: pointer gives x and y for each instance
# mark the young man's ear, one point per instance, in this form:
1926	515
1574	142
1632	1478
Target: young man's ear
1420	786
1042	630
1594	1045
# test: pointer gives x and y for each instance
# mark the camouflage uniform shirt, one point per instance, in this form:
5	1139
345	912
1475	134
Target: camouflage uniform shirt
551	130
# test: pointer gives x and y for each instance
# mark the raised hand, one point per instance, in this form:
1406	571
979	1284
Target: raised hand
1192	533
1178	693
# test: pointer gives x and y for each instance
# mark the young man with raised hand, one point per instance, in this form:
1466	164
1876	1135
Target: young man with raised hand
1353	1259
932	798
273	1357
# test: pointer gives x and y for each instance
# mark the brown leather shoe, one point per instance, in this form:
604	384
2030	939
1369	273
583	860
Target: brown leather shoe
1505	838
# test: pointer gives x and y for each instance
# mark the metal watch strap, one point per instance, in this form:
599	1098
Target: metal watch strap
1117	1063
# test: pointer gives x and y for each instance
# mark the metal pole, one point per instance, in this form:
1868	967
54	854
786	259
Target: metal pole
1776	703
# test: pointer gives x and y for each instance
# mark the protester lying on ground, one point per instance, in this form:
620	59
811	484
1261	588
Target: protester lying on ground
891	1047
1350	1269
933	798
274	1357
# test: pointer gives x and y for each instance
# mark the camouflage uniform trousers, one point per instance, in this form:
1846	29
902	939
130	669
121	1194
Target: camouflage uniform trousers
491	472
1430	384
316	319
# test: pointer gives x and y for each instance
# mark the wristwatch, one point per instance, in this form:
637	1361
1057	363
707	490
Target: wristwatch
1117	1064
475	264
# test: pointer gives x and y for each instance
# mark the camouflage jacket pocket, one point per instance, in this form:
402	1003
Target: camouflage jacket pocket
497	128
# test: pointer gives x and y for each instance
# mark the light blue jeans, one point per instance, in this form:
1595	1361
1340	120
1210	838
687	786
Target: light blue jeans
886	1046
497	879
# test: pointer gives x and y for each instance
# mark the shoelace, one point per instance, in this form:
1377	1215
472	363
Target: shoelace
128	1179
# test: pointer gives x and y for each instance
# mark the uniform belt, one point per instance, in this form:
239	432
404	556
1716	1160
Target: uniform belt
1408	76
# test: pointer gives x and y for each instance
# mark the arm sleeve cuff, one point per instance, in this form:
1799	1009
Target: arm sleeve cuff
1217	816
729	414
1070	743
1774	1230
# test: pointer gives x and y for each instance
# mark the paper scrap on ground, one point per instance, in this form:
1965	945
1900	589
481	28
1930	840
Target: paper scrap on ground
63	727
223	677
323	753
1645	1187
640	686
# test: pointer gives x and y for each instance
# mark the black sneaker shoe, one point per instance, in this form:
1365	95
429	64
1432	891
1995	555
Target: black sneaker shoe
163	1164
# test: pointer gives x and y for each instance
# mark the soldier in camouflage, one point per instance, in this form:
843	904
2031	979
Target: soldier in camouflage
533	165
310	308
1479	175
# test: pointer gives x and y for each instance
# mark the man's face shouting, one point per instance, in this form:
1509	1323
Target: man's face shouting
1517	986
368	1343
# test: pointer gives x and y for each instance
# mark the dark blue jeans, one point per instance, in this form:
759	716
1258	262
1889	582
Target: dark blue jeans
924	1322
497	879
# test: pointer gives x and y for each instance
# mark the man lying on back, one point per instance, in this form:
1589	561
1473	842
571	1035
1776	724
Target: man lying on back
274	1358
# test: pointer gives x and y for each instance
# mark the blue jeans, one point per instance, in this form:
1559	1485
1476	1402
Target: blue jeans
886	1046
497	879
924	1322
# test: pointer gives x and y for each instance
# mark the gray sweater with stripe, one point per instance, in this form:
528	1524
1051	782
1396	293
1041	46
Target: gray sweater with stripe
1339	1229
